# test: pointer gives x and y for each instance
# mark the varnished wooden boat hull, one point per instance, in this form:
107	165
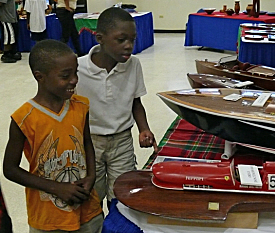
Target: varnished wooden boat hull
226	119
206	67
215	81
135	190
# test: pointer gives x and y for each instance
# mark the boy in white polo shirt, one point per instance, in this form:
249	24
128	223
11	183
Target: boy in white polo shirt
112	79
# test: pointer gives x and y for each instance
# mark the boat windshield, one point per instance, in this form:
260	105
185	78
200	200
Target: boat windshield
228	59
233	171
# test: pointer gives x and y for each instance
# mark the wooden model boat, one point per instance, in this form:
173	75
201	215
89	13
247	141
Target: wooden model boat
235	121
215	176
135	190
215	81
230	67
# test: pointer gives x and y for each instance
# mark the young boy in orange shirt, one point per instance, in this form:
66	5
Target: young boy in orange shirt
52	129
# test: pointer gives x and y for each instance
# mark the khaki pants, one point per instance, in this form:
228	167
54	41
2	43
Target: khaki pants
114	156
93	226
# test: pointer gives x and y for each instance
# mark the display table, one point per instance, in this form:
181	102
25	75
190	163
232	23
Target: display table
184	140
218	30
86	25
123	219
258	52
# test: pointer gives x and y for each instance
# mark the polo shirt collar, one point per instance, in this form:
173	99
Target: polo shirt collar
120	67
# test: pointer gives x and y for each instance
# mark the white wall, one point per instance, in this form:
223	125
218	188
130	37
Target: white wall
173	14
99	5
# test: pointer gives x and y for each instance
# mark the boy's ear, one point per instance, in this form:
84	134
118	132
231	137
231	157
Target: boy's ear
99	37
38	75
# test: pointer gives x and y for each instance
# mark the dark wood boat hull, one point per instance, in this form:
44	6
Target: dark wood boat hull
206	67
229	127
135	190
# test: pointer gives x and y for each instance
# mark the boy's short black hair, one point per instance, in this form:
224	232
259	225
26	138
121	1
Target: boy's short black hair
108	18
43	54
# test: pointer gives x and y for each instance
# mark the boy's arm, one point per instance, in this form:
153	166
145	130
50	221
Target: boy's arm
69	193
28	20
67	6
27	9
89	180
146	137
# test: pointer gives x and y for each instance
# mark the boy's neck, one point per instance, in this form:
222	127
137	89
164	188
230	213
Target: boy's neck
103	61
50	103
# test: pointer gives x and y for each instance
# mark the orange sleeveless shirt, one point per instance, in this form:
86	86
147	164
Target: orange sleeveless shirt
54	149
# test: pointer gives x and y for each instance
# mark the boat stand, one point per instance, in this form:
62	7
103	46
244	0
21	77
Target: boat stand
229	149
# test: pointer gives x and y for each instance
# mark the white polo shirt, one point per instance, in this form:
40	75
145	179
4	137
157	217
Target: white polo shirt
37	18
111	95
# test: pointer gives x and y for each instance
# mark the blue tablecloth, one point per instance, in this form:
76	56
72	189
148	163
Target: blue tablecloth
144	25
218	31
257	53
24	41
266	223
115	222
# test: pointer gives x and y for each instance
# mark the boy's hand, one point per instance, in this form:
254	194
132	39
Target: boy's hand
87	183
69	9
147	139
71	193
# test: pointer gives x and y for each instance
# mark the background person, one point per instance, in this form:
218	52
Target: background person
65	14
5	220
9	26
36	18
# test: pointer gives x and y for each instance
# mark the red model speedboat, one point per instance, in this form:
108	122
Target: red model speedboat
215	176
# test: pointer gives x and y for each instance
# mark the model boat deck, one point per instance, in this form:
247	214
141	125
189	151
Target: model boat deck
234	121
212	102
215	81
261	76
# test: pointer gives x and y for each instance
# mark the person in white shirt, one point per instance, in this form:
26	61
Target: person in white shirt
36	18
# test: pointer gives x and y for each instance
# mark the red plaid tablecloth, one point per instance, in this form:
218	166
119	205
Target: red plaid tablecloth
183	139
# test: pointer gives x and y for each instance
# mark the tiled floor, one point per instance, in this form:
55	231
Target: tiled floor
165	66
